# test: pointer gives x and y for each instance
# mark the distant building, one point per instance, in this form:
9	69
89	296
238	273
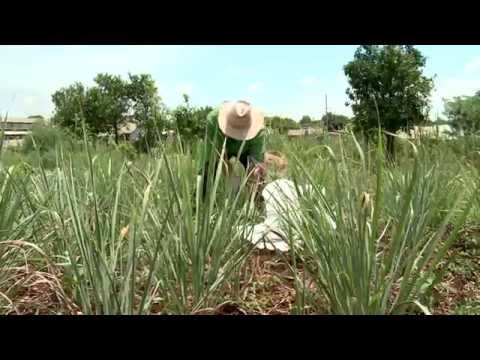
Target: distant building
443	131
306	131
16	129
129	130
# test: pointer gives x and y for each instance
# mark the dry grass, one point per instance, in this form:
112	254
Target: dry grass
462	280
38	293
267	288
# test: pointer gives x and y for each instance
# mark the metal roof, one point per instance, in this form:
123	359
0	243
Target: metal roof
18	120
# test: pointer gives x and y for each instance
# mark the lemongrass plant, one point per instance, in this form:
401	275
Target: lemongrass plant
375	260
129	239
137	237
15	230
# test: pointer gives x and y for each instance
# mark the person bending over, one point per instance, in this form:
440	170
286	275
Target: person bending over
236	123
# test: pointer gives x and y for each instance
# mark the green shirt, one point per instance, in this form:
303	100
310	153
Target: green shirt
254	148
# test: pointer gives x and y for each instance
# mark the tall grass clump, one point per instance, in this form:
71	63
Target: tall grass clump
203	247
114	231
390	231
15	231
39	147
135	240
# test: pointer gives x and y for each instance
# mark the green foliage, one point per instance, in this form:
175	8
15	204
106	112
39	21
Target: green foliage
128	150
280	124
189	121
15	224
132	235
151	131
464	114
387	85
335	121
305	120
46	138
375	260
70	103
106	105
41	145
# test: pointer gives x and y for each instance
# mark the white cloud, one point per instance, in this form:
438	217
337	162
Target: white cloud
256	87
472	66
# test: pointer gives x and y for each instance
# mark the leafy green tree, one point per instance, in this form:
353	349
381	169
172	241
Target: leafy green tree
151	130
143	94
387	86
148	110
190	121
334	121
70	103
112	94
108	103
305	120
281	124
464	113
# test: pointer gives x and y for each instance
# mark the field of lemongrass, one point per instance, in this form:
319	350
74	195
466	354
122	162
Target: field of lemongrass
94	231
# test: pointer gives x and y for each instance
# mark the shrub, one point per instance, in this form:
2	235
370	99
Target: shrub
46	138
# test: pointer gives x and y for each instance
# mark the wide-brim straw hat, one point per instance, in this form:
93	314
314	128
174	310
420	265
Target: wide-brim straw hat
239	120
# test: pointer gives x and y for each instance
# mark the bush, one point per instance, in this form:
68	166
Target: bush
46	159
46	138
10	157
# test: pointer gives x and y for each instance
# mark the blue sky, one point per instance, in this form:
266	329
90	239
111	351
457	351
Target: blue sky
283	80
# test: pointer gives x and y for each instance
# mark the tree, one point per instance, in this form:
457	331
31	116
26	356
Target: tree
145	102
148	110
464	113
112	94
305	120
335	122
105	105
150	131
69	104
190	121
282	125
387	88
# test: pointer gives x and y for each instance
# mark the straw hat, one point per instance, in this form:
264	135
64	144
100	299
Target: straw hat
239	120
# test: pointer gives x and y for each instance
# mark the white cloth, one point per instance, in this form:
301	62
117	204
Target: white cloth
264	237
279	196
